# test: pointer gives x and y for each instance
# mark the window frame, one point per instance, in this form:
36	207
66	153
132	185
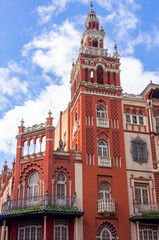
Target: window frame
104	149
141	187
62	224
105	191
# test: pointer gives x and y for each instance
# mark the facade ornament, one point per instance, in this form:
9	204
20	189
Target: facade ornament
139	150
22	122
49	113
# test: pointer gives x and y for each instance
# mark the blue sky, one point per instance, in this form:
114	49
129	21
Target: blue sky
40	39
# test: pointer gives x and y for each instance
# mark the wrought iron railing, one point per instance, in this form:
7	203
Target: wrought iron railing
39	201
146	208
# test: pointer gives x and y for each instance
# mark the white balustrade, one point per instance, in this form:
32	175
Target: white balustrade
104	161
103	122
106	206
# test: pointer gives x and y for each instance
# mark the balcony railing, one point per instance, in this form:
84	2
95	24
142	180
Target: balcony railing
94	51
103	122
146	208
39	201
104	161
106	206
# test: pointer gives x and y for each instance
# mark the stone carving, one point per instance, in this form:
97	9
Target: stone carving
132	96
35	127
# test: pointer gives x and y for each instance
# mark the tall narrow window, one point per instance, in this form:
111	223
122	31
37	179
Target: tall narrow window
60	230
108	78
141	120
95	43
141	193
33	187
86	74
61	188
25	149
106	231
99	75
100	112
157	121
92	73
128	119
102	149
114	78
43	144
31	147
134	117
104	191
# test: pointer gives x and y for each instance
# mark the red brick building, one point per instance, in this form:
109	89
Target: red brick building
95	174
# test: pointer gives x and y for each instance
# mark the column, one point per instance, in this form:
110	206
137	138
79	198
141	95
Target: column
76	228
70	184
44	227
137	230
23	184
3	230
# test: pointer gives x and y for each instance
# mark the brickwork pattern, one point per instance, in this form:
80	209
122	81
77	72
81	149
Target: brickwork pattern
116	144
114	109
156	176
90	141
88	104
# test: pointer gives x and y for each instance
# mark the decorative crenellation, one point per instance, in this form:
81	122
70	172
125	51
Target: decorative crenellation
35	127
132	96
94	51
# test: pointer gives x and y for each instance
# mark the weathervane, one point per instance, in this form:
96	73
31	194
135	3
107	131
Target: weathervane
91	5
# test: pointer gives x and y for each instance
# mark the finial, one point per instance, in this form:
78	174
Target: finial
73	64
115	46
49	113
14	160
91	5
22	122
150	81
5	163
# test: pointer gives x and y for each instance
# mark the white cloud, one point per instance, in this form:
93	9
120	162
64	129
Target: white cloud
54	97
54	51
11	84
133	76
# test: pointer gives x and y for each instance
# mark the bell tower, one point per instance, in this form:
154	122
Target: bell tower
96	130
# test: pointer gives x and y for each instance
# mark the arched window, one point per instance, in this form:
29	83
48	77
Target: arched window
37	146
128	119
134	117
106	231
61	188
100	112
104	191
114	78
99	75
25	149
102	149
95	43
33	187
31	147
92	73
43	144
108	78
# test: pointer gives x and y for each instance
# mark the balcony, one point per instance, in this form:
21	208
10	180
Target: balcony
102	122
106	206
146	208
39	201
104	161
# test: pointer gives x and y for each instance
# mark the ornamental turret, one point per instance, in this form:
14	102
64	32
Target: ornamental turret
93	37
